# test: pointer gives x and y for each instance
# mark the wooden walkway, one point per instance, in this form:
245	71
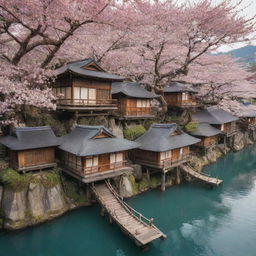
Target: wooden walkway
201	176
134	224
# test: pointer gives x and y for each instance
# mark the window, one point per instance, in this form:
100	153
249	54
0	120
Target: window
139	103
116	157
222	127
166	155
92	161
184	96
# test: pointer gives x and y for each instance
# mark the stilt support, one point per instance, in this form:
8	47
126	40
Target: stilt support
163	181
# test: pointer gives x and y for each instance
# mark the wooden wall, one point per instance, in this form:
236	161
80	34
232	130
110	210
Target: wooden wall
92	164
33	157
129	107
227	128
208	141
175	98
103	88
154	158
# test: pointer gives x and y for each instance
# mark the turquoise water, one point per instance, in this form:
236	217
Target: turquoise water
198	221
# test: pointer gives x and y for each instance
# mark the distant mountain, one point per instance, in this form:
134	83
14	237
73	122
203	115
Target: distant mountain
246	54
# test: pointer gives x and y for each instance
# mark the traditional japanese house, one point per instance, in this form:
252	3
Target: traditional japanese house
220	119
248	120
208	134
85	86
92	153
180	95
31	148
163	147
134	102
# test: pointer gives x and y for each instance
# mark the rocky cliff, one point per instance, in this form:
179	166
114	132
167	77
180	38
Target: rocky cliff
37	203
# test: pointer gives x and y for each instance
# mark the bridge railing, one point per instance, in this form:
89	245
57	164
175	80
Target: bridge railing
132	211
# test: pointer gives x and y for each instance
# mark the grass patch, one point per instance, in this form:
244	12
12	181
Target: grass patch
134	132
19	182
191	126
14	180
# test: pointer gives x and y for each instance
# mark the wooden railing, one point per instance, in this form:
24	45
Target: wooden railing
87	102
132	211
170	162
104	168
138	111
230	132
166	163
192	103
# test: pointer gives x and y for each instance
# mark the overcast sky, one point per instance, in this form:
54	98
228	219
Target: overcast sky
249	10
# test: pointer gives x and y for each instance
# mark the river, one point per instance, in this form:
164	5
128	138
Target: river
198	221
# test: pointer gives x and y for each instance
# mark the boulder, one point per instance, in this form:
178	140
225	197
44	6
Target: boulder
239	141
36	200
54	201
14	206
137	171
125	188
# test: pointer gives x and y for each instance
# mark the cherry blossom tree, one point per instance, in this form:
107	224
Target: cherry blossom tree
152	42
31	35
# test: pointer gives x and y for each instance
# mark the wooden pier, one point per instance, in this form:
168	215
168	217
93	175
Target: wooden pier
201	176
132	223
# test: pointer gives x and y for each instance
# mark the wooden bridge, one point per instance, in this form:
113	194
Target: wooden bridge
133	223
201	176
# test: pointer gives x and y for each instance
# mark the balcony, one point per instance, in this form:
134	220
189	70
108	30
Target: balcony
137	112
230	132
96	173
87	104
164	164
186	104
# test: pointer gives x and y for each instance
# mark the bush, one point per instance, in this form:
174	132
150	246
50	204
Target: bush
14	180
18	182
133	132
191	126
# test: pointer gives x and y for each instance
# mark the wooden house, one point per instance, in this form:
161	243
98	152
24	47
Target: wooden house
31	148
134	102
180	95
248	120
208	134
163	147
92	153
84	86
220	119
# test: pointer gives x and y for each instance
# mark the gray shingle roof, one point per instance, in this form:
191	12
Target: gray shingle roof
77	68
159	138
213	115
30	138
205	130
132	89
179	87
81	142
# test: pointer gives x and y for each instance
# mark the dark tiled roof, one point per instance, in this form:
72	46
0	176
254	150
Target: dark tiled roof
30	138
132	89
205	130
214	115
77	68
179	87
161	137
81	142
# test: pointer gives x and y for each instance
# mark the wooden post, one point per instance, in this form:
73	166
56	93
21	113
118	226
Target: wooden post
225	144
148	174
88	192
163	181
